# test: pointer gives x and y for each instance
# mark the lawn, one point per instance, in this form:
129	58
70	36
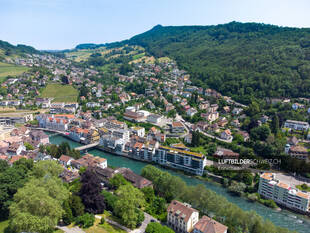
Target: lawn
60	93
105	228
10	69
3	225
303	187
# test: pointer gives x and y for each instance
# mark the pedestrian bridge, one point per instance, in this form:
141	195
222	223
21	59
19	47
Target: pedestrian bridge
86	147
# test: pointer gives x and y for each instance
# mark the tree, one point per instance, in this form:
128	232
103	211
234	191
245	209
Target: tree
67	217
195	138
86	220
260	133
46	167
37	207
155	227
3	165
76	205
275	124
117	180
90	193
28	146
129	199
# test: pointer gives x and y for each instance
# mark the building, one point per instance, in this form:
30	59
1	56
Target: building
226	135
272	188
181	159
139	131
136	180
191	112
134	116
154	118
89	160
298	152
177	127
65	160
296	125
208	225
223	153
39	136
181	217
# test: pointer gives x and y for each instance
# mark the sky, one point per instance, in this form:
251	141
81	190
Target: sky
63	24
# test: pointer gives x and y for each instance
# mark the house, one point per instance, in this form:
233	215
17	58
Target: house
236	123
177	127
264	119
136	180
226	135
244	134
224	153
236	111
65	160
293	141
298	152
210	116
296	125
92	105
43	102
188	138
204	105
181	217
202	125
226	109
154	119
208	225
89	160
222	122
213	108
16	148
68	176
296	106
191	112
39	136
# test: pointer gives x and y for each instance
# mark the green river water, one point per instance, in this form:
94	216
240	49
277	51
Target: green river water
282	218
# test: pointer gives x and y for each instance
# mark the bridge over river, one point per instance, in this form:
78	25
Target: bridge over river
86	147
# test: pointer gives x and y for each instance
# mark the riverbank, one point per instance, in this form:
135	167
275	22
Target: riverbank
283	218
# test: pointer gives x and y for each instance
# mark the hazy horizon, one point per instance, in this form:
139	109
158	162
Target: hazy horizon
63	24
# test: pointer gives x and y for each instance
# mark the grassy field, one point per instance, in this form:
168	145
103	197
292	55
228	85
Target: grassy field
10	69
60	93
105	228
3	225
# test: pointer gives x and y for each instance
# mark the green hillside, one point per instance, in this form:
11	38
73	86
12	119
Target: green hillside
242	60
60	93
10	70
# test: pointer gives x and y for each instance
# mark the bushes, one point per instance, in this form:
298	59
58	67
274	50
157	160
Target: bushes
86	220
155	227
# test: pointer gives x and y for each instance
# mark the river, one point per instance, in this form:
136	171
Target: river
282	218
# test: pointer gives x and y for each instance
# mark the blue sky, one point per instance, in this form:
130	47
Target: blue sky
61	24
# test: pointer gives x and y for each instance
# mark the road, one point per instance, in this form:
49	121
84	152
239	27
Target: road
188	125
147	220
71	230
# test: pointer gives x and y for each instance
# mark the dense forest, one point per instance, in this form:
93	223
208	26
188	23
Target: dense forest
242	60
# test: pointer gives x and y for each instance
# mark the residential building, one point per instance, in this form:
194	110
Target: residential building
191	112
181	217
226	135
89	160
134	116
177	127
139	131
208	225
181	159
65	160
136	180
272	188
224	153
154	118
298	152
39	136
296	125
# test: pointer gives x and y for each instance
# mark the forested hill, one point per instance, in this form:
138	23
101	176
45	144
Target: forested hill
7	49
241	60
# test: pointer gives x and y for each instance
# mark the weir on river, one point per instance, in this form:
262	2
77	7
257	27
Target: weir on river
282	218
